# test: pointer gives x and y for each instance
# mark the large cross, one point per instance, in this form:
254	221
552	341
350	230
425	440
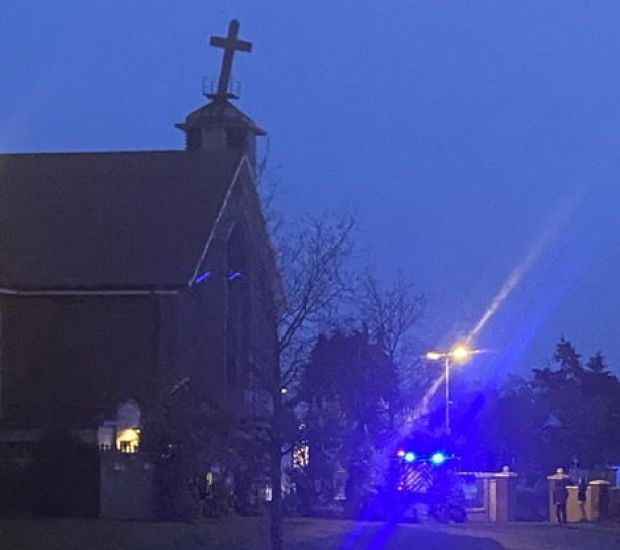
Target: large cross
229	43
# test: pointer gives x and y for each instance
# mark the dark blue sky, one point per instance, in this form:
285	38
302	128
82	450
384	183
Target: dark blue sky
464	136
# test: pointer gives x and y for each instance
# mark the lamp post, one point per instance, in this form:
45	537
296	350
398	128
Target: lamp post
458	353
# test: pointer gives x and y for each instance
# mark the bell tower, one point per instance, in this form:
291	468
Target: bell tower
219	125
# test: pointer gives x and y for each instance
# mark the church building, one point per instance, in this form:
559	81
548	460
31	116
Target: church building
135	287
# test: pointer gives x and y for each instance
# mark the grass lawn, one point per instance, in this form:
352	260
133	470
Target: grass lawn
301	534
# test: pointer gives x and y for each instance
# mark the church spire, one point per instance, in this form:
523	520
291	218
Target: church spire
229	44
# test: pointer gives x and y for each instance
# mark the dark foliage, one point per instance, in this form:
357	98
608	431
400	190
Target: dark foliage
354	372
564	410
63	478
350	386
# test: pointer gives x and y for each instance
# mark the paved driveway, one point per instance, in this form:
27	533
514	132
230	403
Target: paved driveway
301	534
513	536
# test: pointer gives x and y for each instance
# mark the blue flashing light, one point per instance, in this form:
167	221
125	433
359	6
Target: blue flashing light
234	275
409	456
438	458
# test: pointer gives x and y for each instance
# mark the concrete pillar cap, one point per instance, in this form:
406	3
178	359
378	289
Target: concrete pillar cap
506	472
559	474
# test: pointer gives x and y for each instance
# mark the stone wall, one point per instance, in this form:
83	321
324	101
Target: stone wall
128	486
497	496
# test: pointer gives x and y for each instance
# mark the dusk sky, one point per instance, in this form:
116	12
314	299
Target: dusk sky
470	140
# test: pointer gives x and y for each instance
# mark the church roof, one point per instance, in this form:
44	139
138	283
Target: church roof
108	220
223	114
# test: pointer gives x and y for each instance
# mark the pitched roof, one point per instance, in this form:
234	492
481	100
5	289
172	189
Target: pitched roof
107	220
222	114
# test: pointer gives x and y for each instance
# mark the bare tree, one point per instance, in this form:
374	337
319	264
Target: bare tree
389	312
313	263
312	259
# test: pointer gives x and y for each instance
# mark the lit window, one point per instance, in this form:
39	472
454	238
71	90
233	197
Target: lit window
301	455
128	440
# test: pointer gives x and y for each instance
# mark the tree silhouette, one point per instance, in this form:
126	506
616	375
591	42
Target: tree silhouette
563	410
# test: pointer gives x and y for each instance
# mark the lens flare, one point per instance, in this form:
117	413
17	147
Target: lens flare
558	218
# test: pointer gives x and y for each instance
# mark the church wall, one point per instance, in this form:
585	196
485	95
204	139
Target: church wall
2	307
262	293
70	360
248	310
203	407
200	337
204	320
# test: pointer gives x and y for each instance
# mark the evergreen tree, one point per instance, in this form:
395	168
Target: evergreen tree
563	410
350	385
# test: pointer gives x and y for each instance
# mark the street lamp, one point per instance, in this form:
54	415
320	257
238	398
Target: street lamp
458	353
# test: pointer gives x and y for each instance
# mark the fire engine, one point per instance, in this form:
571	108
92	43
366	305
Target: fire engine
425	474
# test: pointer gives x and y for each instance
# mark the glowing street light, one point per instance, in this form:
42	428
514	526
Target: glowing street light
461	352
458	353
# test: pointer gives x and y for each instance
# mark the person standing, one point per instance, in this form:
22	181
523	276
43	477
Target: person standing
560	496
582	495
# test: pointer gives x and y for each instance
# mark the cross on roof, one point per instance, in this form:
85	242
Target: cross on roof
230	44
